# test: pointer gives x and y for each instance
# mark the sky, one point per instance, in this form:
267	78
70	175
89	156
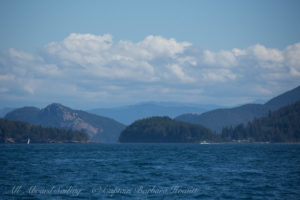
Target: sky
93	54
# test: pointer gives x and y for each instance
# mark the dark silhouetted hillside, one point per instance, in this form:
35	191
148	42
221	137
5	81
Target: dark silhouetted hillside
166	130
220	118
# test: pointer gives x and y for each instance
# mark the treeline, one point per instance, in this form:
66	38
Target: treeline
166	130
19	132
282	125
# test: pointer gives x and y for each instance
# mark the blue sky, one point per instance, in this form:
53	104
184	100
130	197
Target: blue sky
212	25
89	54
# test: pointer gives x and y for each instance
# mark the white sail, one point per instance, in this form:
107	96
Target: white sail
28	141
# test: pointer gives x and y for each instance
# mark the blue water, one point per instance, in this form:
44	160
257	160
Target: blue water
150	171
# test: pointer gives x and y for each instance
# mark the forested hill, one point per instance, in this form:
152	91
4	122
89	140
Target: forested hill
99	129
220	118
285	99
282	125
164	129
19	132
279	126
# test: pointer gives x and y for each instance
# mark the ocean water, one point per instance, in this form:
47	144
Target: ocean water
150	171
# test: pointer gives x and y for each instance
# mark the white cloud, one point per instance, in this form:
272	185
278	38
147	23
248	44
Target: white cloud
83	43
187	59
220	59
238	52
159	46
294	72
266	54
79	49
95	68
20	56
177	70
219	75
29	88
292	56
100	57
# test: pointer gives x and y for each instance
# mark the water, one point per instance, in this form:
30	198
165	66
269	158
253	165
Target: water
150	171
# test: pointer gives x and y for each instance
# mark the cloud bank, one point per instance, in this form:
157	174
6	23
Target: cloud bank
86	69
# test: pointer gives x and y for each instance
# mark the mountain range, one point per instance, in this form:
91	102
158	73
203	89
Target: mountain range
217	119
107	130
131	113
4	111
99	129
280	126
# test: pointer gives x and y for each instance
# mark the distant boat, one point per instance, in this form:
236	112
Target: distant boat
204	142
28	141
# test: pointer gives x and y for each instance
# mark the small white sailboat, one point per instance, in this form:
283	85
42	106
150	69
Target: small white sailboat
28	141
204	142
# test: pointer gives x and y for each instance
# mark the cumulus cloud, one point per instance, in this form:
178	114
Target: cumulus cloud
220	59
177	70
292	58
96	68
159	46
99	56
265	54
219	75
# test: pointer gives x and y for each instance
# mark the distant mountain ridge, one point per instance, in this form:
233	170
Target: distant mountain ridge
99	129
287	98
4	111
220	118
131	113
